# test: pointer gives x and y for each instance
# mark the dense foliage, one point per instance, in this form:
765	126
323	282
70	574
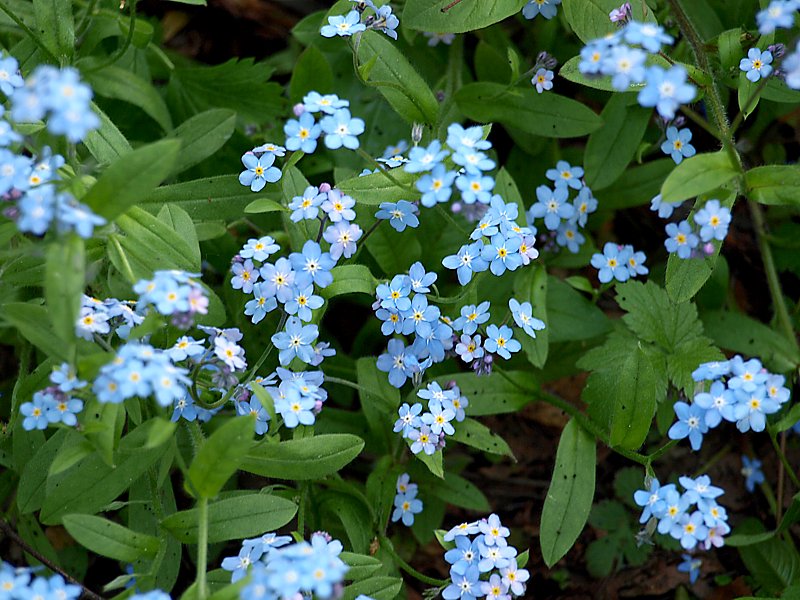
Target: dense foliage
262	314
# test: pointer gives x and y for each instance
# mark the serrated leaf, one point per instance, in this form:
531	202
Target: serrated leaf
569	499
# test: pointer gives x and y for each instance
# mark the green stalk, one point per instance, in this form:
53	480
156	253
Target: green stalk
202	546
387	545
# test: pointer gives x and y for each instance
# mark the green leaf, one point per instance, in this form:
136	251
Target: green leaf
570	315
264	205
350	279
378	588
220	455
475	434
91	484
361	566
697	175
589	18
397	80
371	190
569	71
180	221
393	251
221	197
569	499
234	518
353	513
495	394
634	401
121	84
611	148
101	427
303	459
56	26
33	323
774	564
110	539
131	178
148	245
740	333
458	491
65	271
430	15
31	487
311	72
654	317
106	144
434	461
774	184
552	116
638	186
201	136
531	286
729	44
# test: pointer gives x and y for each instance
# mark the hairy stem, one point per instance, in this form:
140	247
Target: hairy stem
202	546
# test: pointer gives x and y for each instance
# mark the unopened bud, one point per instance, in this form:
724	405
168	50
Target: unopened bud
324	188
298	109
416	133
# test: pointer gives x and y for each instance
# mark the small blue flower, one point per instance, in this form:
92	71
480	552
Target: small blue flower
401	214
253	407
475	188
682	240
436	186
625	65
648	35
546	8
465	555
593	56
438	418
459	138
469	348
259	249
420	317
691	423
64	410
565	175
342	237
425	159
312	265
779	14
664	209
328	103
748	376
385	21
395	294
408	418
420	280
711	371
278	279
405	507
758	64
341	129
468	261
751	469
303	302
258	171
66	379
776	390
636	262
690	565
523	317
500	340
423	440
584	204
666	90
567	235
612	263
502	254
675	505
474	161
652	500
244	276
399	362
719	403
758	407
690	529
296	340
465	586
294	408
35	412
543	80
553	205
677	144
494	532
471	317
700	490
339	206
302	133
10	79
343	25
714	220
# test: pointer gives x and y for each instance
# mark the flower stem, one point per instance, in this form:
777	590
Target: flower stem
387	545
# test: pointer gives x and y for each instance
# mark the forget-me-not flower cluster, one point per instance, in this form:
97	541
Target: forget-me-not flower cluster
619	263
424	427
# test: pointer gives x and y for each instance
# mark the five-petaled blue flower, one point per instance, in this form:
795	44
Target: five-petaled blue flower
682	240
553	205
751	469
500	340
296	340
713	219
758	64
612	263
677	144
401	214
259	171
343	25
469	260
342	129
302	133
666	89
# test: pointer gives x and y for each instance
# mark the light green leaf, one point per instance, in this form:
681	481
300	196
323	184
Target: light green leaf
220	455
110	539
696	175
121	84
131	178
475	434
65	271
430	15
56	26
371	190
495	394
106	144
361	566
264	205
180	221
547	115
350	279
209	198
201	136
234	518
589	18
531	286
634	401
303	459
611	148
397	80
569	498
434	461
774	184
378	588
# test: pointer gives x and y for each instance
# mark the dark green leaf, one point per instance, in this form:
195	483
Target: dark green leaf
64	282
522	108
56	26
131	178
33	323
220	455
106	143
202	135
475	434
312	72
122	84
234	518
495	394
221	197
303	459
371	190
431	15
531	286
774	184
350	279
569	498
589	18
377	588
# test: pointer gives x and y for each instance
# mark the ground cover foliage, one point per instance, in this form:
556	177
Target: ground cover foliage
433	299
